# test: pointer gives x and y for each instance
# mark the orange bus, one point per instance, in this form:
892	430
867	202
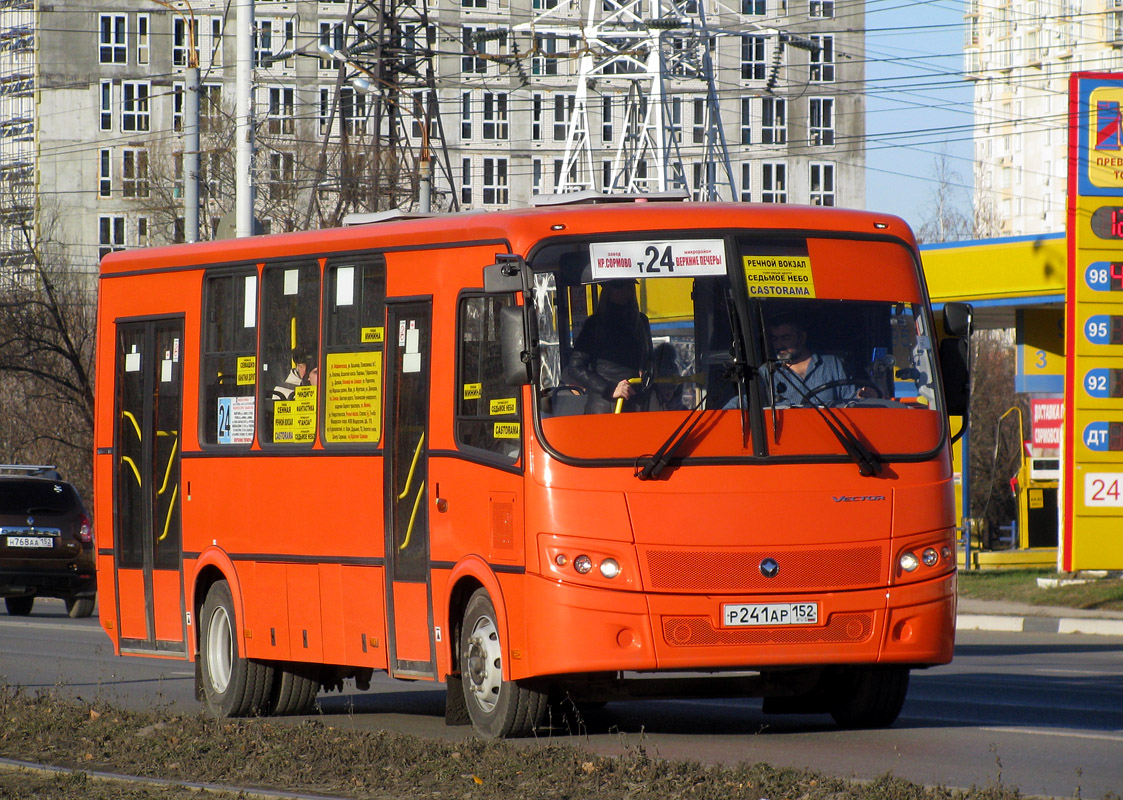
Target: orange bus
580	452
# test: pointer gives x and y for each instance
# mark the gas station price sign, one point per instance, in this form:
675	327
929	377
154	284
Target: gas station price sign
1104	437
1092	452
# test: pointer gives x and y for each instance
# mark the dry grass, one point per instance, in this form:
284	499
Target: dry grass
1021	586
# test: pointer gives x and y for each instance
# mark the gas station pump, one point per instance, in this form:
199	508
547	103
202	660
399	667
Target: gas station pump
1036	492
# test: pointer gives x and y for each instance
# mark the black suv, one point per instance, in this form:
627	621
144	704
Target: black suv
46	542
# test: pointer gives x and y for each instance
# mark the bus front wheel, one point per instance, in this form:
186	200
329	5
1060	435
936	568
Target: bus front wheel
868	697
233	686
498	708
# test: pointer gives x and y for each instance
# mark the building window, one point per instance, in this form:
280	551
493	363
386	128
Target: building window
495	116
773	120
134	106
563	107
281	115
134	173
352	110
753	65
111	235
107	105
263	43
822	59
746	194
104	174
210	107
676	119
422	103
773	182
495	181
545	58
746	120
754	7
282	175
606	132
822	184
212	45
820	121
822	9
606	175
536	117
143	41
181	42
111	39
142	232
331	36
466	181
536	176
465	116
698	132
471	60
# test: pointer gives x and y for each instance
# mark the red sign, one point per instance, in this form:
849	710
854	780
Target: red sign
1047	423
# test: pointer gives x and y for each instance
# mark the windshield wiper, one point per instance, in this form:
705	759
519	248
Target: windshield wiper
668	449
867	459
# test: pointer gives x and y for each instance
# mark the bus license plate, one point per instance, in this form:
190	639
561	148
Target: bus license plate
739	614
30	541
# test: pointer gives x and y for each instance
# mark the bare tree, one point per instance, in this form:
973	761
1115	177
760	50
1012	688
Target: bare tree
47	327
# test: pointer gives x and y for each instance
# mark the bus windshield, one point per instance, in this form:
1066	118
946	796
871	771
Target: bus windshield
808	335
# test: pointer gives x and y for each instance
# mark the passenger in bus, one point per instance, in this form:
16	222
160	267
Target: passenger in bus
299	375
613	347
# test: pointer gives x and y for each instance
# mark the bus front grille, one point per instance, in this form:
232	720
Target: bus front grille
849	628
722	572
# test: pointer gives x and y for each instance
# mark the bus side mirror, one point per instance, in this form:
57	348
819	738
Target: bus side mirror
957	319
512	344
505	275
955	358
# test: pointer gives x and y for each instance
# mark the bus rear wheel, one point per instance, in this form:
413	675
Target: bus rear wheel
868	697
233	686
19	606
498	708
295	687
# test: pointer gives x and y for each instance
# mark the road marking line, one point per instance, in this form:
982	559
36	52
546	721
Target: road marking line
1104	737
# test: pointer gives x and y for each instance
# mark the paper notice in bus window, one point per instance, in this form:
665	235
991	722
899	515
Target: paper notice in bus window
247	370
779	276
345	286
373	335
657	259
166	371
235	420
249	307
291	281
505	430
304	414
132	361
473	391
353	398
502	407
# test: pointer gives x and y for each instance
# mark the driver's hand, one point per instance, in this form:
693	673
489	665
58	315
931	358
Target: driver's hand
624	390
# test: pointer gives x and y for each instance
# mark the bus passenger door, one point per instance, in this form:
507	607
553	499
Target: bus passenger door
146	504
409	602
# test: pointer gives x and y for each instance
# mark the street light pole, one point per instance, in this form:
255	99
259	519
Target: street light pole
243	132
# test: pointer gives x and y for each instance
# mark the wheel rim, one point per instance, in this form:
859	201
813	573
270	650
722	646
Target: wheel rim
220	650
485	664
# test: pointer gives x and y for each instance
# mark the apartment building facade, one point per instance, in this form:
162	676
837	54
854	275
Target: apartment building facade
92	110
1019	54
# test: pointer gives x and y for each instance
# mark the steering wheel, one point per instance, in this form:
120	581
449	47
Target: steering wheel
858	382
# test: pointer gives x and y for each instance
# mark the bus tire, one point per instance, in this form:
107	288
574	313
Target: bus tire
295	687
498	708
233	686
19	606
868	697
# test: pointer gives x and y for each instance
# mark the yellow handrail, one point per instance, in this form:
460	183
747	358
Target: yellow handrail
136	425
136	472
412	467
168	519
413	516
171	458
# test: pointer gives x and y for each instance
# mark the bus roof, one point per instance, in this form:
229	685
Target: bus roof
521	228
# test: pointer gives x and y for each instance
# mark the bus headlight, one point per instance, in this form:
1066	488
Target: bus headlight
610	568
930	556
583	564
909	562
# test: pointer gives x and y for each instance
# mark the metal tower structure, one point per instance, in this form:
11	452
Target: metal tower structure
385	51
643	51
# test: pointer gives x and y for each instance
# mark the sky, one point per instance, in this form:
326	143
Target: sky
918	107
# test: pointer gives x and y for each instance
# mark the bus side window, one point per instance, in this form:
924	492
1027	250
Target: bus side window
488	413
229	364
289	360
354	337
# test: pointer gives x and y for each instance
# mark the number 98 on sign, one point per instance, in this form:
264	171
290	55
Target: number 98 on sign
1102	489
1104	276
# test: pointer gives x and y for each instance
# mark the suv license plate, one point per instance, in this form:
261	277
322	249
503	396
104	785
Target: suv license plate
741	614
31	541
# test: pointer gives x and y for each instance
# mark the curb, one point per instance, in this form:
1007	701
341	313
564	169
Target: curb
1014	624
